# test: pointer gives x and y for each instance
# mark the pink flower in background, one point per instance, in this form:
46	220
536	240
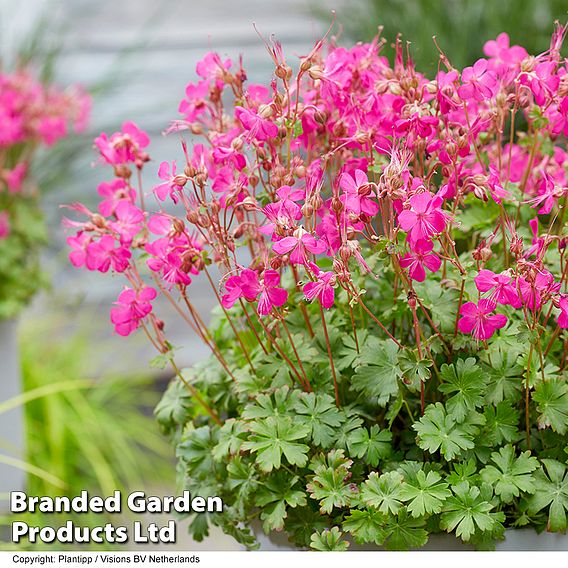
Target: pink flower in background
4	225
15	177
479	319
502	288
322	288
419	257
425	217
132	307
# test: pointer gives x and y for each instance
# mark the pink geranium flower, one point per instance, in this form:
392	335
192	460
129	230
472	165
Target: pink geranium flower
501	286
478	82
299	245
258	127
421	256
132	307
322	288
170	186
103	254
129	221
113	193
248	285
425	217
479	319
357	194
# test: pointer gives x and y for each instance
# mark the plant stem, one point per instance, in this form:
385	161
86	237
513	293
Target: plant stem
330	355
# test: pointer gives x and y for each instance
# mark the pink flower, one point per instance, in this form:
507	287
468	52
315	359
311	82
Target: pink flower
244	285
478	82
357	192
425	217
113	193
548	193
248	285
258	127
563	316
4	225
123	147
298	245
78	255
503	289
15	177
129	221
132	307
476	319
195	102
497	191
170	185
103	254
421	256
322	288
271	295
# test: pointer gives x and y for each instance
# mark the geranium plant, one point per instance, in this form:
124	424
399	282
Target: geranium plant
33	116
388	358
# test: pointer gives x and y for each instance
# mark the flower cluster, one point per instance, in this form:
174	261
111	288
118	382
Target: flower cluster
332	161
32	114
392	251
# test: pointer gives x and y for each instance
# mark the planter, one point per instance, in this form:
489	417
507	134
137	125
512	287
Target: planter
515	540
11	422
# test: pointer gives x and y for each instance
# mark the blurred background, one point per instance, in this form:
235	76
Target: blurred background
89	418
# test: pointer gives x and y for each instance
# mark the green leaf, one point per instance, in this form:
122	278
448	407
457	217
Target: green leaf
468	511
404	532
466	471
551	397
466	381
551	490
329	540
276	494
279	403
383	492
174	407
501	424
330	484
437	430
511	475
242	479
372	445
426	493
378	378
366	526
274	437
231	437
320	413
414	369
196	450
504	376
